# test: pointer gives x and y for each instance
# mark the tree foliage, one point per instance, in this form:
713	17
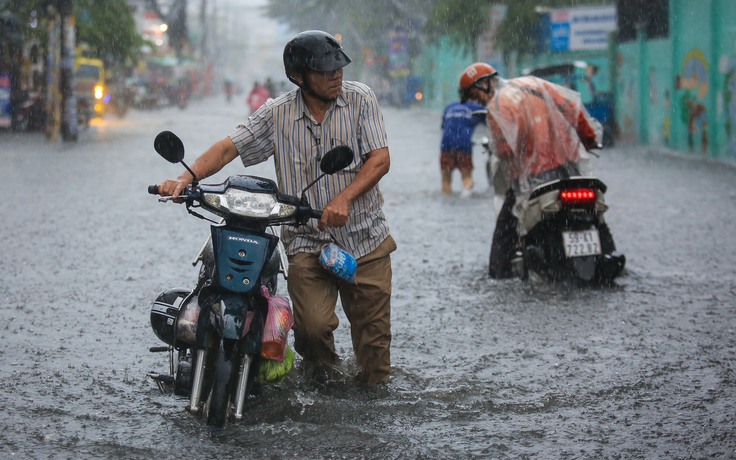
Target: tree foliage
464	21
109	29
106	27
362	24
461	22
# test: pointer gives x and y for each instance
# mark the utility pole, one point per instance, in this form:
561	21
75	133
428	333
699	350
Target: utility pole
205	28
53	96
61	99
69	126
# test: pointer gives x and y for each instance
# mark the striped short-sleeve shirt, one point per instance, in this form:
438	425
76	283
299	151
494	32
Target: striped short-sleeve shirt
283	127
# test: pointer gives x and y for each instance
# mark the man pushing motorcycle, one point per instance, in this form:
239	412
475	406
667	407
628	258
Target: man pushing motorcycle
296	129
540	132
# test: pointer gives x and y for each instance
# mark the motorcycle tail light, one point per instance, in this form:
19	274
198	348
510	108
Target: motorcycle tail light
578	197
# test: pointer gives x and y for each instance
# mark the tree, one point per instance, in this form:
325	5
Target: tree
362	24
464	21
461	22
108	30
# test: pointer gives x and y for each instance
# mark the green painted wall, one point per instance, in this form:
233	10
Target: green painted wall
443	64
726	83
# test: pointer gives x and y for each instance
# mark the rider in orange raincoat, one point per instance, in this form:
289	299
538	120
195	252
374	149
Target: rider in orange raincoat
541	131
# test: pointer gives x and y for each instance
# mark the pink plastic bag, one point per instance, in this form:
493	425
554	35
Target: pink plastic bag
279	321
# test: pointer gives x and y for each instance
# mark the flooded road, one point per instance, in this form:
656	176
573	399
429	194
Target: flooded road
482	368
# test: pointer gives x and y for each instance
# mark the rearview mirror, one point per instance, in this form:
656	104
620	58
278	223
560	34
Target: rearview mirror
336	159
169	146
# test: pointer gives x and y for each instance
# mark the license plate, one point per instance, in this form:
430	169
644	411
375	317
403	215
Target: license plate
581	244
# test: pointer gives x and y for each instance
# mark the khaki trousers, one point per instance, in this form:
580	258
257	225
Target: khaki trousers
367	306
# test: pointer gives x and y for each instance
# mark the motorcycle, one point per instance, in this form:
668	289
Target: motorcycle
85	111
29	115
217	328
565	235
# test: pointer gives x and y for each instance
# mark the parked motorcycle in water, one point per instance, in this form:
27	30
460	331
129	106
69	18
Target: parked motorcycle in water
217	328
566	237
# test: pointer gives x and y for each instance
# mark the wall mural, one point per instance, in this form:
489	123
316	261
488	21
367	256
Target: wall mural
729	99
691	90
628	84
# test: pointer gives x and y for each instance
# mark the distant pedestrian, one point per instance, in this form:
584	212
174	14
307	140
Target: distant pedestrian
459	120
257	96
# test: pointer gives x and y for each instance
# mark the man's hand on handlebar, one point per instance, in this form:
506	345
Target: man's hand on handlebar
335	214
172	188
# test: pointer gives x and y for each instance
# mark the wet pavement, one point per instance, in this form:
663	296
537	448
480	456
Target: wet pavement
482	368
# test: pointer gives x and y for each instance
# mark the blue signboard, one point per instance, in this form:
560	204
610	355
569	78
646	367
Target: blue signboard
560	36
585	28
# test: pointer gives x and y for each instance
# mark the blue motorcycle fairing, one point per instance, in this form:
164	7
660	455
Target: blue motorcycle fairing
240	258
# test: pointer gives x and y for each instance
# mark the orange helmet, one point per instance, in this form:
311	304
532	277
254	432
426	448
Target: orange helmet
475	72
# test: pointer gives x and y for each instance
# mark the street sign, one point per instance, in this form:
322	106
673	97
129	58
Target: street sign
585	28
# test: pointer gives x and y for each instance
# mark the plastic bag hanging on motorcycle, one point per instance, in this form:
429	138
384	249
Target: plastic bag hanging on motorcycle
339	262
279	322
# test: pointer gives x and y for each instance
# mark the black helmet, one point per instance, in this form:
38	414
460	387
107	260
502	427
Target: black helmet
313	50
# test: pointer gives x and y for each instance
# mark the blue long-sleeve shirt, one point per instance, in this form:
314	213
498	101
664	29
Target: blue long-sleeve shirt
458	123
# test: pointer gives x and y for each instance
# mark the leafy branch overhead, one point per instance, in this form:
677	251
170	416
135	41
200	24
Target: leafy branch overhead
108	32
462	21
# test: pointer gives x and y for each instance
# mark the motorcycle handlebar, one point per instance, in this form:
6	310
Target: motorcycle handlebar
312	213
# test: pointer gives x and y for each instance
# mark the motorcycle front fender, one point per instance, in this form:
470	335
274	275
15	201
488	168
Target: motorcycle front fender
210	325
234	317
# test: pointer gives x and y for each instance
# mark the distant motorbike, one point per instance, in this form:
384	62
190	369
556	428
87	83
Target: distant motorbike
217	328
85	111
566	237
29	113
119	100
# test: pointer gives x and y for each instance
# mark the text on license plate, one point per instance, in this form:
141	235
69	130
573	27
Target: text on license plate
582	243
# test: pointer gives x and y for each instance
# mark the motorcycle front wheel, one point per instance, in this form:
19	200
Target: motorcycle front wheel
222	386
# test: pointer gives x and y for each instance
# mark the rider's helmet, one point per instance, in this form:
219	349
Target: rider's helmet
474	73
313	50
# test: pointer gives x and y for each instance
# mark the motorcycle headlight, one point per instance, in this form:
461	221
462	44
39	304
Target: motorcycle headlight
99	91
248	204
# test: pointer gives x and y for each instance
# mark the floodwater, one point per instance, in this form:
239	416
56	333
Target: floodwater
481	368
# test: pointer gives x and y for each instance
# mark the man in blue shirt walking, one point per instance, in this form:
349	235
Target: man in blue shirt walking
459	120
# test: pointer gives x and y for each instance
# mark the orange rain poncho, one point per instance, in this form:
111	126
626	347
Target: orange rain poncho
538	126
